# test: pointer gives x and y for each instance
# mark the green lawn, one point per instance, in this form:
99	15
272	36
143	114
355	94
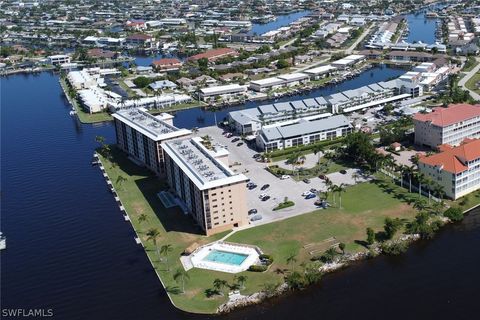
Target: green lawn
472	83
324	167
85	117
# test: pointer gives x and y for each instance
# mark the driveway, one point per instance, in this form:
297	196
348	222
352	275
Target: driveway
467	77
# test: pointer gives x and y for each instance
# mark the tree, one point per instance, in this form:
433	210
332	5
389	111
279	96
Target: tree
294	280
341	245
370	236
355	176
141	82
420	204
340	189
153	235
391	227
142	218
181	275
120	180
219	285
454	214
292	259
318	149
165	250
241	281
282	64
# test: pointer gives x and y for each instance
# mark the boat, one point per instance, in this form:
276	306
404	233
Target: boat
3	241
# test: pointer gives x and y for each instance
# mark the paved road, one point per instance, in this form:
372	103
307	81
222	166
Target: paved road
467	77
360	39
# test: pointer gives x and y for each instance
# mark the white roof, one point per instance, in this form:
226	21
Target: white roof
293	76
267	81
320	70
199	164
235	87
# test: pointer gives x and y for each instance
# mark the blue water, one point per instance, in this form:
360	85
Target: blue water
225	257
201	117
147	60
421	28
282	21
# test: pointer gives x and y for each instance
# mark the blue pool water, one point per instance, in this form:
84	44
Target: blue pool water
231	258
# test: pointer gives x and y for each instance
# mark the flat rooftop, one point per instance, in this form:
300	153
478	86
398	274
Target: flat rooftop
153	127
197	162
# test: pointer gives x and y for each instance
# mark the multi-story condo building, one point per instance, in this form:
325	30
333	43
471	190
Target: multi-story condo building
456	169
447	125
214	195
301	132
59	59
142	135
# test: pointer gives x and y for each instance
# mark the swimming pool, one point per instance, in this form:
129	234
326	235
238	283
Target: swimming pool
226	257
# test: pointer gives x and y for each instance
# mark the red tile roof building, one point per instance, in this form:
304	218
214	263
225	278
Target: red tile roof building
456	169
214	54
447	125
167	64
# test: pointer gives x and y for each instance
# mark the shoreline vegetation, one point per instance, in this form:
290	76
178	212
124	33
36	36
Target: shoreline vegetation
329	239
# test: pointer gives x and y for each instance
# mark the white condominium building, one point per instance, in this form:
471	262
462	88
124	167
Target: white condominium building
213	195
456	169
142	135
447	125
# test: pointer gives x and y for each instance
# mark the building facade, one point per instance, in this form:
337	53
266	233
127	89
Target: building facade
141	136
456	169
447	125
213	195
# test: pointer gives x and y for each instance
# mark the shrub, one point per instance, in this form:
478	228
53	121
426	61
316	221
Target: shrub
454	214
284	205
394	248
257	268
266	256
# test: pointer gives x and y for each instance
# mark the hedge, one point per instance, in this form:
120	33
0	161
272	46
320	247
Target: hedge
284	205
307	147
256	268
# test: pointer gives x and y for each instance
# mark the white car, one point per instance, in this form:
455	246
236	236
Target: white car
284	177
306	193
263	195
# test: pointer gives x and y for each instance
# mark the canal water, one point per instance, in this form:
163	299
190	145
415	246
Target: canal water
281	21
69	249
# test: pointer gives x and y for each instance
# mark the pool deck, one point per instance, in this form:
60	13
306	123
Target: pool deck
198	258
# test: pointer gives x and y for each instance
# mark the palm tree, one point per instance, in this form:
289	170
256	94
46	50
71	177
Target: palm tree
120	181
318	149
241	281
356	176
420	204
142	218
153	235
181	275
219	284
194	130
293	160
165	250
410	172
292	259
340	189
420	179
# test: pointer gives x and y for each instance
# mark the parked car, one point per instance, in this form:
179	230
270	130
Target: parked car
256	218
239	144
257	155
322	176
313	190
235	139
306	193
265	198
284	177
229	135
252	211
307	181
310	196
262	195
264	187
343	171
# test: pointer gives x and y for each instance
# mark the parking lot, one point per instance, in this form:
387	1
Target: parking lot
242	161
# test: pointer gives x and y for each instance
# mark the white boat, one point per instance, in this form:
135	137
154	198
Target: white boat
3	242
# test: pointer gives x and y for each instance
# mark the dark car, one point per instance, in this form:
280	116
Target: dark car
257	155
252	211
310	196
343	171
239	144
252	186
306	180
265	198
235	139
265	186
322	176
313	190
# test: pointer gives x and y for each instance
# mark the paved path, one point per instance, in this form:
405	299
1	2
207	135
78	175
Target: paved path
467	77
360	39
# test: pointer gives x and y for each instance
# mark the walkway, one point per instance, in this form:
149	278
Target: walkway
470	74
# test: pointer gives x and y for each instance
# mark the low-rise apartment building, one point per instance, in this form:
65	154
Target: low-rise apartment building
141	135
447	125
213	195
301	132
456	169
224	93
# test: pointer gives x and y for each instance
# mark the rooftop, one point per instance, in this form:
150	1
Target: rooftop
149	125
454	159
455	113
197	162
